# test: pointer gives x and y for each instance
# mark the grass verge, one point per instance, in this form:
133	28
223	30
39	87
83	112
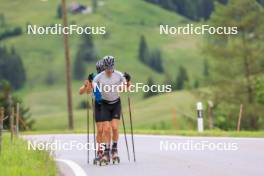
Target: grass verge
15	160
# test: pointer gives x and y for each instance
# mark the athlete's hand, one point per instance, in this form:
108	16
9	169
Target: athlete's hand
91	77
128	84
127	76
86	83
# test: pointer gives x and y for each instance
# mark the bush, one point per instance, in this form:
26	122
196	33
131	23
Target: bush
11	33
84	104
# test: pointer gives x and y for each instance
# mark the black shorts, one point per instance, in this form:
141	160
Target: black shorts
110	111
97	112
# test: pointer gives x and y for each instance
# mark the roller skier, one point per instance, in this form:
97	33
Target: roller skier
87	87
110	106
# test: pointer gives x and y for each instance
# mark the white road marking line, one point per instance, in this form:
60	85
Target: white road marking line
76	169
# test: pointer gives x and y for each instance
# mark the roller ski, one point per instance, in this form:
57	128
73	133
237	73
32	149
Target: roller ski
96	160
105	159
115	157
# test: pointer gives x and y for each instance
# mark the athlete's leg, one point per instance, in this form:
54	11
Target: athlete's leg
106	132
114	149
107	137
115	120
115	127
107	110
106	126
99	137
99	126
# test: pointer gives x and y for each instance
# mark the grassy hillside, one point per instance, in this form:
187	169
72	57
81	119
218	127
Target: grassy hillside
153	113
125	20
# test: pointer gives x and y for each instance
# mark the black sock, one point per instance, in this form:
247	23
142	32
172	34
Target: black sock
114	145
107	147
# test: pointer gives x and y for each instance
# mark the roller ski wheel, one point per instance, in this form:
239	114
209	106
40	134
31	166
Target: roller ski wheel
115	157
116	160
105	160
96	161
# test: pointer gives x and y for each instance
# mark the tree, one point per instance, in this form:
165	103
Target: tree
2	20
196	84
195	10
152	59
168	80
155	61
260	90
79	68
87	51
205	68
237	60
94	5
150	82
59	11
5	94
143	50
12	68
181	79
261	2
50	78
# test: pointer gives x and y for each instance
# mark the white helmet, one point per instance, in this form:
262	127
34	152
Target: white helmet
109	62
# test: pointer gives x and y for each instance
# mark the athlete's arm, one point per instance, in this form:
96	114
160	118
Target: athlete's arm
128	83
82	90
125	81
87	87
95	81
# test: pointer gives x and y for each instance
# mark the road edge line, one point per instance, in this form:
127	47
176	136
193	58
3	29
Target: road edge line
76	169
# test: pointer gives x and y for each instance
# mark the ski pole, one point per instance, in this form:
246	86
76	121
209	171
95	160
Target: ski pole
88	130
93	104
124	127
131	127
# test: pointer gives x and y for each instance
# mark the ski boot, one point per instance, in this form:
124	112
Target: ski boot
98	157
105	159
115	157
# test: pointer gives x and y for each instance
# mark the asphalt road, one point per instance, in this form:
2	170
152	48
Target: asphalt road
220	156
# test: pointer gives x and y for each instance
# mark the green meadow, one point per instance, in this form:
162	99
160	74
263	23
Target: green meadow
43	55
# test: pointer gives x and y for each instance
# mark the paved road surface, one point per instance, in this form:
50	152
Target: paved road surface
248	160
